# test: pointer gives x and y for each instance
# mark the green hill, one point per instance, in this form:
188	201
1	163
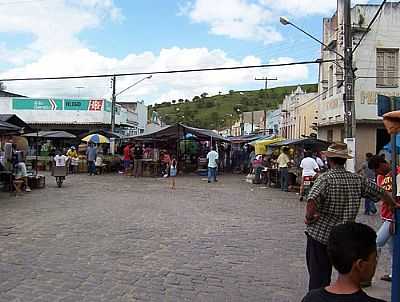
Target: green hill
219	111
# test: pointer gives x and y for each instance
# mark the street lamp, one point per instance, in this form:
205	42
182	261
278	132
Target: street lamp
134	84
285	21
114	97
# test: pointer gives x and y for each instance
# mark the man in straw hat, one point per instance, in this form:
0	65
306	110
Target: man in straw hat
335	198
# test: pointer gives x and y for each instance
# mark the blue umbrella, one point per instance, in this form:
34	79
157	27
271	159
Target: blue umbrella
96	138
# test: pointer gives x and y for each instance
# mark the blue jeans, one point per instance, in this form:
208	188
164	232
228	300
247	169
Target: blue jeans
212	174
369	206
91	168
284	178
383	236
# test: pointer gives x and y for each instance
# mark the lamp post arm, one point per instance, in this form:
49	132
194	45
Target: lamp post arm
134	84
315	39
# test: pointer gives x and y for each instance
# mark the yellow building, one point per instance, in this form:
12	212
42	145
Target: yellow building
299	114
307	117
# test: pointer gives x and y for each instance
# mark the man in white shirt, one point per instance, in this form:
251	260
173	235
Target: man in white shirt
283	164
60	159
310	168
212	158
309	165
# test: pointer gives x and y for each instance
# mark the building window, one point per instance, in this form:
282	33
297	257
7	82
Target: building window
342	135
330	135
324	90
331	81
387	67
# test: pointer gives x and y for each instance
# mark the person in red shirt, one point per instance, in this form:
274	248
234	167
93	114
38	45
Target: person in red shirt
384	180
127	160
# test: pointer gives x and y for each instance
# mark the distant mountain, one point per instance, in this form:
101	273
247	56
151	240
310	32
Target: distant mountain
220	111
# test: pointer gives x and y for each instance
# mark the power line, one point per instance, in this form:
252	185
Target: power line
317	96
372	77
370	25
318	61
20	2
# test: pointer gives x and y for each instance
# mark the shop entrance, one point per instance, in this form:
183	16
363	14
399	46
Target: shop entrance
382	139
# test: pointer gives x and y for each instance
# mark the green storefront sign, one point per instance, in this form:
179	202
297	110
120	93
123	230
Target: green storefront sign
73	104
59	104
37	104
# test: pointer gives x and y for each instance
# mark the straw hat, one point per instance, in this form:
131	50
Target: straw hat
339	150
391	120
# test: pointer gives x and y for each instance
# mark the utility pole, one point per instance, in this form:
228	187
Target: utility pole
113	101
266	79
348	97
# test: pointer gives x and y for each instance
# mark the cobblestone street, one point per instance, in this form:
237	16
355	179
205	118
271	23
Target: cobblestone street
114	238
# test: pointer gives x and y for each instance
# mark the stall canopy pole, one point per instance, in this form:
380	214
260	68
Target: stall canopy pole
37	151
396	247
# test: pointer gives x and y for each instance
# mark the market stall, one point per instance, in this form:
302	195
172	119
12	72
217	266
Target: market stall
43	145
13	148
297	148
188	145
261	145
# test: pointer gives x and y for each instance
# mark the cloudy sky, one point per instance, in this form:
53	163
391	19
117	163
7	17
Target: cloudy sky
80	37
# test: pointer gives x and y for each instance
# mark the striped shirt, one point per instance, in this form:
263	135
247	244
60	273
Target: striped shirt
338	194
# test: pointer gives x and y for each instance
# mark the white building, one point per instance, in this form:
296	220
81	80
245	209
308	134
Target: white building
274	119
75	114
377	57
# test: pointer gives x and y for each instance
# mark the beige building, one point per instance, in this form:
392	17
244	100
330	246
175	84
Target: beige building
377	58
299	112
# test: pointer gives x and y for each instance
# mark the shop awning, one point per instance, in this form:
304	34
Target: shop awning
262	144
51	134
13	119
305	142
7	128
178	131
245	139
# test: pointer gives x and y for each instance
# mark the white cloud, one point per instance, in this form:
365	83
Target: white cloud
160	87
238	19
54	24
251	19
305	7
57	51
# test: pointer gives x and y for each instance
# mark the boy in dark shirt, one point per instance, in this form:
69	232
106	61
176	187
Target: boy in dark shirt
352	251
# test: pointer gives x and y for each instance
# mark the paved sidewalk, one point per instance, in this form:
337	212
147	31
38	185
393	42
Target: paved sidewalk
115	238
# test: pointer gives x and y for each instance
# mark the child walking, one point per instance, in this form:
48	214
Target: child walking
173	171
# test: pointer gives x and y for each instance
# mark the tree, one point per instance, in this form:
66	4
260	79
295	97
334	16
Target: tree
196	98
203	95
174	102
210	104
187	101
2	86
181	101
214	116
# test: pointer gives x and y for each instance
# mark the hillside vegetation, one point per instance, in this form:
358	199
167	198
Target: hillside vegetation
220	111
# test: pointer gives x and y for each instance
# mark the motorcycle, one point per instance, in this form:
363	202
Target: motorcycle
60	174
308	182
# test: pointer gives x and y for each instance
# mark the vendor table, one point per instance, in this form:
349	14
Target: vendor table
36	181
150	168
273	177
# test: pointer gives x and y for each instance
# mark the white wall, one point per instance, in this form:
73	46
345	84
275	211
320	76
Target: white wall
75	116
384	34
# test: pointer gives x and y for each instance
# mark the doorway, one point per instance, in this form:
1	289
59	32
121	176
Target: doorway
382	139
